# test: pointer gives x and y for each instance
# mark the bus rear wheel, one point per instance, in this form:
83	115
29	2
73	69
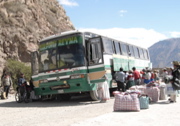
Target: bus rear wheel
94	95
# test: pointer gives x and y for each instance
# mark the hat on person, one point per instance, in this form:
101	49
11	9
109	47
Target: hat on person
176	63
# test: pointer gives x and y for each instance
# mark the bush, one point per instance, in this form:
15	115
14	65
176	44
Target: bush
15	68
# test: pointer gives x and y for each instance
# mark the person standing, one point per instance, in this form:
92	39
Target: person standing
103	90
175	80
147	78
120	79
6	83
21	84
136	76
130	80
165	73
152	75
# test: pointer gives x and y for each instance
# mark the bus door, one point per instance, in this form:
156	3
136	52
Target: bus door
34	63
96	67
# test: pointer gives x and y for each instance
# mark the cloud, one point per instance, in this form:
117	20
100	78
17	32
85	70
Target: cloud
136	36
121	12
175	34
68	2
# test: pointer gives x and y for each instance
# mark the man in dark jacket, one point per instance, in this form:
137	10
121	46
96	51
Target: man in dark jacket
21	84
175	80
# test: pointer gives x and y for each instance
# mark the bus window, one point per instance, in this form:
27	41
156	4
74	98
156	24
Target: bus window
141	53
131	50
124	49
119	44
136	52
107	45
47	59
128	50
118	51
113	47
146	54
70	55
94	51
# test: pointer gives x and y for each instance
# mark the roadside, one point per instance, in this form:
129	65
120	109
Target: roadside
81	111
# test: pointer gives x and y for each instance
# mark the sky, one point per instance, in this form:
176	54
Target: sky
139	22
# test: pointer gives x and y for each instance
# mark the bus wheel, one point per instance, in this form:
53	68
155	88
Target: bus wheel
94	95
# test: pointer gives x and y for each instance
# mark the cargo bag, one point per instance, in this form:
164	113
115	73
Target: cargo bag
144	101
153	93
126	102
3	95
140	88
170	90
162	88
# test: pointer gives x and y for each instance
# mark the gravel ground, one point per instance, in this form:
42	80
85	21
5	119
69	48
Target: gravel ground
81	111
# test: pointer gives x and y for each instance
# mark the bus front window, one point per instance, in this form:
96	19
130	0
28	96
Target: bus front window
70	56
47	60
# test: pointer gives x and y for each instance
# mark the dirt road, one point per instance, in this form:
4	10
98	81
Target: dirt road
51	113
81	111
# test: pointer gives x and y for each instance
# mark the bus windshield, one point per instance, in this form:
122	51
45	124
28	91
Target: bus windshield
65	53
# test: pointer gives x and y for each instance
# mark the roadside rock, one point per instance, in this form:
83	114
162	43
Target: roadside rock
24	22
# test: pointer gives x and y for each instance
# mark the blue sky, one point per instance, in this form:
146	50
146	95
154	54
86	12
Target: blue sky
140	22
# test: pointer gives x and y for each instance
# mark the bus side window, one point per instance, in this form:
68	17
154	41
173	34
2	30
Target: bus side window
141	53
117	49
131	50
120	48
124	49
107	45
113	47
128	50
136	52
94	52
146	54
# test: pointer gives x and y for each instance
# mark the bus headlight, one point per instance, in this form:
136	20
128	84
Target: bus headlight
43	81
77	76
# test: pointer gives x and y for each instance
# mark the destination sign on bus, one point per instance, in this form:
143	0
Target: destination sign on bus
60	42
47	45
70	40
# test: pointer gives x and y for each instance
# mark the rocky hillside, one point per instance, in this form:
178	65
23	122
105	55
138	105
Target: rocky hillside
24	22
164	52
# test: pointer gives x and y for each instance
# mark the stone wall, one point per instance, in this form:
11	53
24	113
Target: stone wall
24	22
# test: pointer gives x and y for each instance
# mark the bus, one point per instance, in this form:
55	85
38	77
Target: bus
75	62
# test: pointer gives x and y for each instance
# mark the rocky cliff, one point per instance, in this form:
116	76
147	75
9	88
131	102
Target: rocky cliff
24	22
164	52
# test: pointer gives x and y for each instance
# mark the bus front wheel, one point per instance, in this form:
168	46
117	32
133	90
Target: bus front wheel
94	95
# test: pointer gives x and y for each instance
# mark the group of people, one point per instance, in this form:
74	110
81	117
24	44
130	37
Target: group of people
133	77
7	83
125	80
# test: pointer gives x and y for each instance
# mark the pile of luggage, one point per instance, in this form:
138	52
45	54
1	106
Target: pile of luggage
139	97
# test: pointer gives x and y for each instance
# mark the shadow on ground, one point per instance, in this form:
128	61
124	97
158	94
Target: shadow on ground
75	101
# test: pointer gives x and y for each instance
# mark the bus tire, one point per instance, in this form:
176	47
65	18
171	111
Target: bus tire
94	95
18	97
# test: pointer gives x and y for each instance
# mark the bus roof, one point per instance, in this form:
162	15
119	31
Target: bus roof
77	31
60	34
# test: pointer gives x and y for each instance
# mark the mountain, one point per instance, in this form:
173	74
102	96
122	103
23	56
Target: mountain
24	22
164	52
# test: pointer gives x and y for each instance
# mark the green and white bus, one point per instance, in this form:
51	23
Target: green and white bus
75	62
